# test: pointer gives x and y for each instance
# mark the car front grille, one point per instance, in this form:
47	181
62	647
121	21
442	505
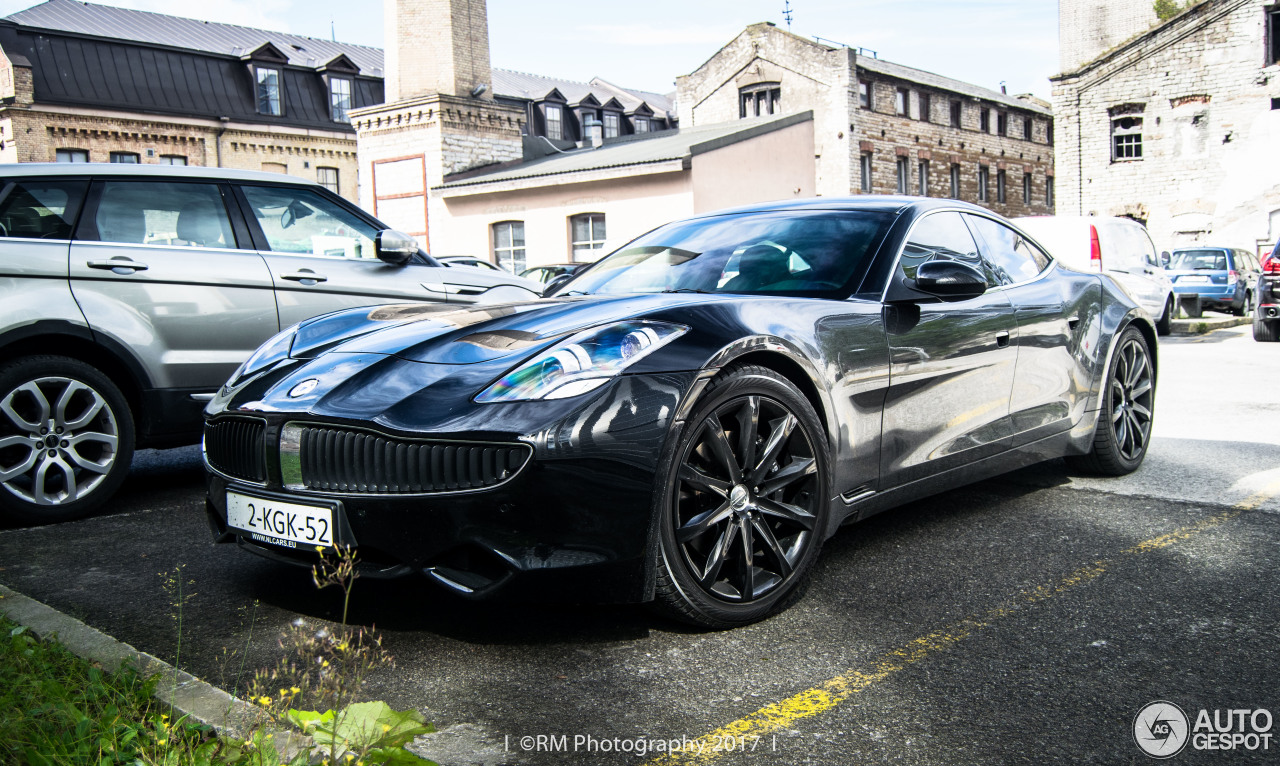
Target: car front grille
328	459
236	447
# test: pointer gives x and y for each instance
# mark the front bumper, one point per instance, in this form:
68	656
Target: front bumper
575	522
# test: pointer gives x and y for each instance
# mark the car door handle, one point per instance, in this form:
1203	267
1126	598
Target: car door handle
119	264
1002	339
451	289
305	275
1073	322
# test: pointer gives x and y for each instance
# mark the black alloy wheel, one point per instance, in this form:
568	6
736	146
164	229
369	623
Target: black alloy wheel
66	439
744	505
1124	424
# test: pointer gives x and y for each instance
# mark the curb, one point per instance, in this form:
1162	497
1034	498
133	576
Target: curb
189	696
1203	325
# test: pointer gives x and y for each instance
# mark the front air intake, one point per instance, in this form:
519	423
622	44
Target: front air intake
235	447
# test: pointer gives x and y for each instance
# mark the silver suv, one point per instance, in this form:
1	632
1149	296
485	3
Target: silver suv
129	294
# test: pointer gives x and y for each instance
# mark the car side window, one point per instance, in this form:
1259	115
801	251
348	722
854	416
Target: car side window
1012	257
302	222
40	209
160	213
942	237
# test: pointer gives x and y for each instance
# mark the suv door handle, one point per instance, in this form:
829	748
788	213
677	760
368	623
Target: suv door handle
1002	339
120	265
304	276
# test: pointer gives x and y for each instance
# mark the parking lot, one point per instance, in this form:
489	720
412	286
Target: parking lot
1025	619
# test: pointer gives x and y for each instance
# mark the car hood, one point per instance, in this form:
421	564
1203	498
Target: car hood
449	335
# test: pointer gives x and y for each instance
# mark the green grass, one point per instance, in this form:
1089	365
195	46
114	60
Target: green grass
56	709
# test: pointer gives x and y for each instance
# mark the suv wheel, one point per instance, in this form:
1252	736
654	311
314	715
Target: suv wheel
1164	325
66	439
1265	330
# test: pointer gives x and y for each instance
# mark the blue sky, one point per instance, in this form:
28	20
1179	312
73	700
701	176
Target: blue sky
645	45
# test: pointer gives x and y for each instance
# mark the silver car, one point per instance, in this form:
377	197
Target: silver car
129	294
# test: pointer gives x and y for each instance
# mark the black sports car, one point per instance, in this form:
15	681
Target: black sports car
688	419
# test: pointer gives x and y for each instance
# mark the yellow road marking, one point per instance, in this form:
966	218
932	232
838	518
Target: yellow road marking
827	695
1260	497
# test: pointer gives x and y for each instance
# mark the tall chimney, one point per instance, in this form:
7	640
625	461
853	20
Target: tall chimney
436	47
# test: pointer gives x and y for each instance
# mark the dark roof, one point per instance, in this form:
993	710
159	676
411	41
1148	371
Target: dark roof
180	32
535	87
921	77
640	149
81	69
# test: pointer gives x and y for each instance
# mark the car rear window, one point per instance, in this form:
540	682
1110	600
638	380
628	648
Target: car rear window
1198	260
40	209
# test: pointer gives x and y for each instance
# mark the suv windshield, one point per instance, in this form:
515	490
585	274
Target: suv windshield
1198	260
776	253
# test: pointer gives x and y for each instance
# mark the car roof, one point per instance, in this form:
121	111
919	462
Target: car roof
868	202
167	171
1189	248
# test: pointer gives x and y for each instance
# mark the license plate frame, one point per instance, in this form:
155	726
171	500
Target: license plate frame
282	522
1195	280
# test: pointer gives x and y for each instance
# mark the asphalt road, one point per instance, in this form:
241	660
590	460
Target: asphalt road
1023	620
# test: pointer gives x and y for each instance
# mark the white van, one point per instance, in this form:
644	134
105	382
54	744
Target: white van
1120	247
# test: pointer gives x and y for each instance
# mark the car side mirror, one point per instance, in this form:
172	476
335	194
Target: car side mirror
394	247
555	284
950	280
1165	258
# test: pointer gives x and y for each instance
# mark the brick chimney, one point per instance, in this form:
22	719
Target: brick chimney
436	47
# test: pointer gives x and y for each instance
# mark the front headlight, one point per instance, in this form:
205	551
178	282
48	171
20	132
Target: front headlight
582	362
268	354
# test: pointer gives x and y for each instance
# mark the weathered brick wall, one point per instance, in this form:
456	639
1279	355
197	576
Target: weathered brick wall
889	136
1210	167
1089	28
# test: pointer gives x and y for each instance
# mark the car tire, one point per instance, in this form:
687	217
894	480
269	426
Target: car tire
1164	325
736	546
1123	433
66	439
1246	306
1266	330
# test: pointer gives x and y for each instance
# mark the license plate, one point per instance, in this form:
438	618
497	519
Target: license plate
1195	280
280	523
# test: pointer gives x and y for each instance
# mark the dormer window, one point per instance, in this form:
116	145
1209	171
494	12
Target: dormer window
555	124
268	90
339	99
642	125
610	125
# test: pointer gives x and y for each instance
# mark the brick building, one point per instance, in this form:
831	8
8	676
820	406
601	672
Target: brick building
880	127
1178	124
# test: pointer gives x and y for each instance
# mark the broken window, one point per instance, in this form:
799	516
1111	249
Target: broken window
1126	138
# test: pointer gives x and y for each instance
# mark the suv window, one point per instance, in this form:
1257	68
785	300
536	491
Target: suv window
162	213
1012	257
40	209
1202	260
304	222
943	237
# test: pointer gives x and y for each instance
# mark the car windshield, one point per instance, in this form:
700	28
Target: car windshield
1198	260
815	253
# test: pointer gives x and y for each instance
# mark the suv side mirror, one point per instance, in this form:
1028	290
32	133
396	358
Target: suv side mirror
395	248
950	280
1165	258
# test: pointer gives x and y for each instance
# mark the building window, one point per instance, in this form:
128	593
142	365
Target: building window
956	112
642	125
984	120
984	179
587	232
902	102
1126	138
923	187
1002	124
955	181
864	95
759	100
508	245
924	105
865	162
172	159
1273	36
555	126
1048	132
268	90
328	178
610	125
71	155
904	175
1026	188
125	158
1048	192
1027	128
1001	190
339	99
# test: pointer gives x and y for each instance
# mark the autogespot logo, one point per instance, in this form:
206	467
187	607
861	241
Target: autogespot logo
1160	729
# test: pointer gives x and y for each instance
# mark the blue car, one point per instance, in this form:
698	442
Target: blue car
1223	277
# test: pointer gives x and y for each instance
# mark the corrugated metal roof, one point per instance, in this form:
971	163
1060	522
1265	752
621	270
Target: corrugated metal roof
642	149
179	32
